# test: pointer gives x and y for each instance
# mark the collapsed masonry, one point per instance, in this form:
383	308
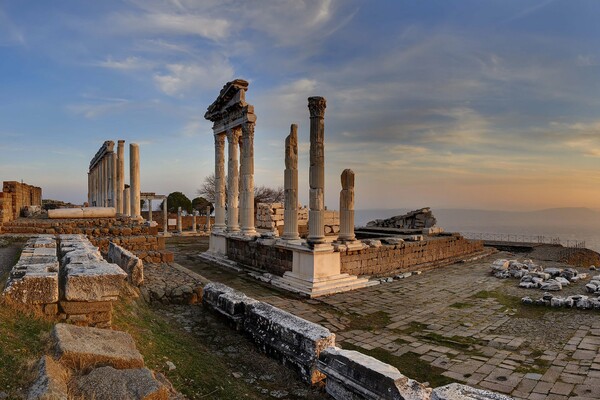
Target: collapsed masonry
309	349
67	278
417	219
271	216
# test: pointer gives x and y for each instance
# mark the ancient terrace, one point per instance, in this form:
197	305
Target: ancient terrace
315	265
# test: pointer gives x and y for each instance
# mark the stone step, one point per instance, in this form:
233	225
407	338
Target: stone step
82	347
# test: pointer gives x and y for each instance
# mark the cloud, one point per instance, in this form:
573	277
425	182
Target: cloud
127	64
179	79
10	34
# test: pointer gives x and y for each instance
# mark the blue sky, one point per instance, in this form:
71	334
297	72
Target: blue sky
471	104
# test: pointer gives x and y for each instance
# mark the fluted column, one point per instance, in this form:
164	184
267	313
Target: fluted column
120	175
165	217
220	182
179	224
233	181
316	227
112	176
134	176
105	182
347	207
247	179
290	185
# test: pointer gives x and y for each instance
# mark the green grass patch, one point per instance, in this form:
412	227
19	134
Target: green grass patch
513	304
199	373
539	366
408	364
370	322
461	305
23	340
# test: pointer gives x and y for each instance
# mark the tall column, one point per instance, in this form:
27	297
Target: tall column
150	210
105	181
290	185
247	179
220	181
207	218
316	227
194	221
112	166
165	216
100	184
347	207
89	196
179	224
134	176
127	201
120	175
233	180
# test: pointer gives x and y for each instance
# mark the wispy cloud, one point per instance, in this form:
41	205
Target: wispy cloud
126	64
10	34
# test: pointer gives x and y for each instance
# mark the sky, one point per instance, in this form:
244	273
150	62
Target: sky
459	104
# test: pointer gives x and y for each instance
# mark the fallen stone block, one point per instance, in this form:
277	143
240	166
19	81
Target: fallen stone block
51	382
93	281
107	383
457	391
226	301
82	347
128	262
353	375
294	341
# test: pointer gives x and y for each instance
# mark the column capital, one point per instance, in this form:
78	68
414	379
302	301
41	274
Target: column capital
233	135
316	106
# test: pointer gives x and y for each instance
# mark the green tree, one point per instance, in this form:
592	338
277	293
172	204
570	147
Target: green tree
176	200
200	204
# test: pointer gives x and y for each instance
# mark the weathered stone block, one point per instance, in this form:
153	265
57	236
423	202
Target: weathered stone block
293	340
93	281
51	382
128	262
457	391
84	307
109	383
82	347
226	301
33	283
353	375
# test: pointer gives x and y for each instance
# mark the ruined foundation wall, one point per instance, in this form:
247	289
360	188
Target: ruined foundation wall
186	221
270	216
268	258
408	256
15	196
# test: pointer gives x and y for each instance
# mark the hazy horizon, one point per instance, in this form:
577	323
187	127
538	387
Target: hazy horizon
465	104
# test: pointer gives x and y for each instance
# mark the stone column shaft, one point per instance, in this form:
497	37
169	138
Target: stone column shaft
127	201
290	186
179	224
347	207
194	222
120	175
165	217
220	182
233	189
247	180
207	218
105	180
134	176
316	227
112	166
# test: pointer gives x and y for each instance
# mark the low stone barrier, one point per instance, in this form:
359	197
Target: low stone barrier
296	342
351	374
128	262
83	212
229	303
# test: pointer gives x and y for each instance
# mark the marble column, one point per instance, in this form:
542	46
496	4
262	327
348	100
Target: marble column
120	175
233	189
89	196
247	179
316	227
165	217
105	180
207	218
290	185
134	176
101	183
112	166
347	207
179	225
194	222
150	210
220	182
127	201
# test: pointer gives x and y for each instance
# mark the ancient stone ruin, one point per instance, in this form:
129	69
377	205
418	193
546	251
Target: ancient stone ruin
417	219
15	197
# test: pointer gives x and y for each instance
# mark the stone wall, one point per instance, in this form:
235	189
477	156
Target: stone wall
388	259
260	254
128	262
186	221
270	216
15	196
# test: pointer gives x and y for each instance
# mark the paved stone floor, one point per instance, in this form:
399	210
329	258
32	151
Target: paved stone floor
459	320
